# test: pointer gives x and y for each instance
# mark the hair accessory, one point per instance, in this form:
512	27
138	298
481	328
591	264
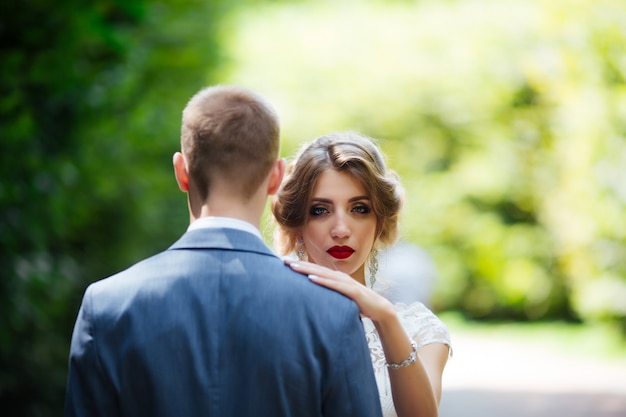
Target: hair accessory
300	250
373	266
412	357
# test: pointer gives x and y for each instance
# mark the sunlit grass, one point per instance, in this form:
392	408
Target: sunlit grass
601	341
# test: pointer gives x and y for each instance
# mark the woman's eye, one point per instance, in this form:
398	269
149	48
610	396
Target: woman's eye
362	209
317	211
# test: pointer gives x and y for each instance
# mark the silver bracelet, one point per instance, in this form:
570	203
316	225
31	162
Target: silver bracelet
412	357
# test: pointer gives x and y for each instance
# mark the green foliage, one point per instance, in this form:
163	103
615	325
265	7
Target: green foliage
89	119
504	119
50	54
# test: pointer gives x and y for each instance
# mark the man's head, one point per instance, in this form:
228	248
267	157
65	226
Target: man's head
229	138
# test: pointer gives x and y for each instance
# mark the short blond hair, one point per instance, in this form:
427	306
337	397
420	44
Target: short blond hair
232	133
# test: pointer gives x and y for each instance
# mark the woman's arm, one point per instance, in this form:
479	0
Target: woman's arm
416	388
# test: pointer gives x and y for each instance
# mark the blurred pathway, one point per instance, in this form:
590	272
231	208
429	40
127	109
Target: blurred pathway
489	377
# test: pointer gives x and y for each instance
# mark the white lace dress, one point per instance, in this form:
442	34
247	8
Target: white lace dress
421	325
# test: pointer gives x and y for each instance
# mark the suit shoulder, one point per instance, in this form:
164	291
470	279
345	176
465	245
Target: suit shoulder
128	276
304	290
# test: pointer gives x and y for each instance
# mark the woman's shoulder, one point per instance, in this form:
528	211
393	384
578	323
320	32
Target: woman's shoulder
421	324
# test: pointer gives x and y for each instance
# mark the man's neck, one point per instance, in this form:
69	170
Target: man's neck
231	211
224	201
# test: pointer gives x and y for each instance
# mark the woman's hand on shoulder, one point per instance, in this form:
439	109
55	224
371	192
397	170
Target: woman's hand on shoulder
370	303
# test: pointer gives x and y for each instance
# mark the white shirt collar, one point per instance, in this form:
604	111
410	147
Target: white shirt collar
229	222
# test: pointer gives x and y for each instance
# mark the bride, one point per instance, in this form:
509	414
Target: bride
337	205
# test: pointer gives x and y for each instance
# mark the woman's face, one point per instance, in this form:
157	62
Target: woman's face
341	225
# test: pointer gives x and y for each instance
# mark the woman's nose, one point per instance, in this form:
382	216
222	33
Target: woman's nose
340	228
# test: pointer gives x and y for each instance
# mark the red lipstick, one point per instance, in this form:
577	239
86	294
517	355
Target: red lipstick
340	252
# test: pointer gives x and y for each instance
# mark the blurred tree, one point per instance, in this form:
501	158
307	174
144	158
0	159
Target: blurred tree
505	120
90	102
50	54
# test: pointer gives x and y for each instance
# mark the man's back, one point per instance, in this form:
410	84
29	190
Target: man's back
218	326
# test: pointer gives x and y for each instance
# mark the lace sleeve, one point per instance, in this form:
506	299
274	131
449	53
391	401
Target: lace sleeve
422	325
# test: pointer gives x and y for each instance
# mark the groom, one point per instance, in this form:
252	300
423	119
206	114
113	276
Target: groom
217	325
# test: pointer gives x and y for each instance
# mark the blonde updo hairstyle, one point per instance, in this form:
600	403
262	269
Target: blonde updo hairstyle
347	152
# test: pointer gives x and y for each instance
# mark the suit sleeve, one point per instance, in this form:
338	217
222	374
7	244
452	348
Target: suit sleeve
88	392
352	390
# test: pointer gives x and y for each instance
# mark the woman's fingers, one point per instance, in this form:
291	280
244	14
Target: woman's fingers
347	288
327	277
329	283
368	301
308	268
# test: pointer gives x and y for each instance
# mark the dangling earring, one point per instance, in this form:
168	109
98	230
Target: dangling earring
373	266
300	250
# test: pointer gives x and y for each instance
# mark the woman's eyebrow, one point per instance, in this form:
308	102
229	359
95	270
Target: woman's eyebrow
329	201
362	197
321	200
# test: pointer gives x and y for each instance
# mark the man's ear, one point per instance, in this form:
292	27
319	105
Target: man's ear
181	172
276	176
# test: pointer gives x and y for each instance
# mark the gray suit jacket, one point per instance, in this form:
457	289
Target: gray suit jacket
217	325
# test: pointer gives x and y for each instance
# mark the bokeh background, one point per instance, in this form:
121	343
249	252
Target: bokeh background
506	120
